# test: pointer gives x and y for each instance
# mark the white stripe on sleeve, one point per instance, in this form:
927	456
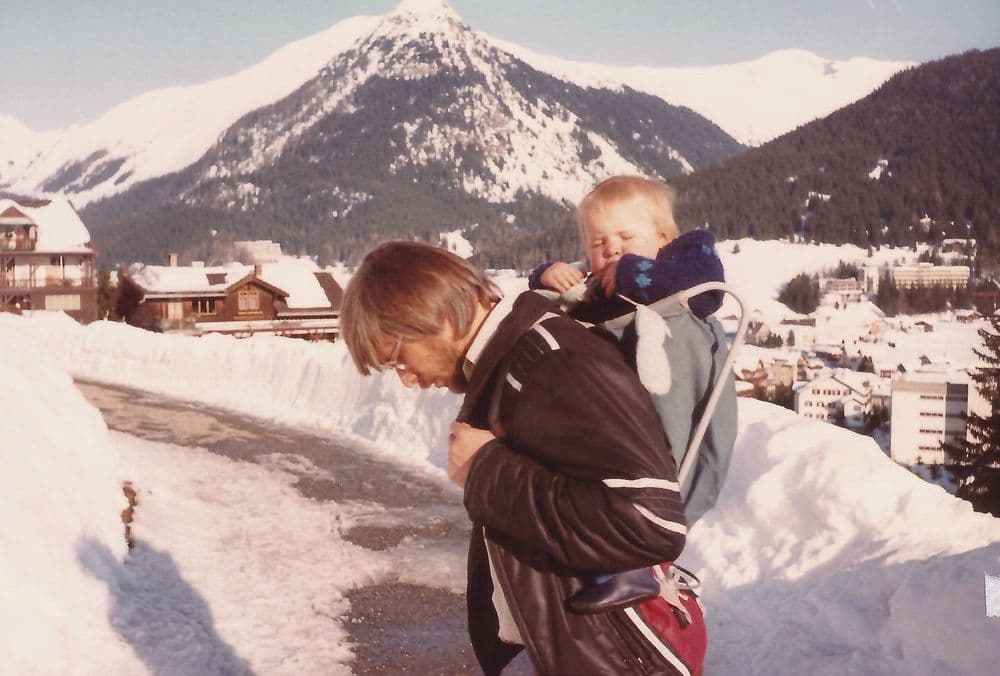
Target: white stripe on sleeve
514	382
647	482
672	526
549	338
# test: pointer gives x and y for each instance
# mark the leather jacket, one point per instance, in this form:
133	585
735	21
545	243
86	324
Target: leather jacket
580	481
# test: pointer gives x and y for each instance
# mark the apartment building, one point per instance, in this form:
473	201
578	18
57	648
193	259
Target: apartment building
927	409
921	274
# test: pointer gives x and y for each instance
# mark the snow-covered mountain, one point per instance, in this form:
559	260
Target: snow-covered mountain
166	130
422	123
753	101
160	131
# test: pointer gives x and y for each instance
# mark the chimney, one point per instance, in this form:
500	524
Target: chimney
172	260
256	270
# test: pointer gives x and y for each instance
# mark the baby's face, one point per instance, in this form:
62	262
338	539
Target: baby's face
619	228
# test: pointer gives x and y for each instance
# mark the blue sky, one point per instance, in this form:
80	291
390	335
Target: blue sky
68	61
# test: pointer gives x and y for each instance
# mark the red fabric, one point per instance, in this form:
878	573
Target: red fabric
688	643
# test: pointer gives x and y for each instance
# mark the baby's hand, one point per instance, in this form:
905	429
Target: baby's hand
560	277
607	276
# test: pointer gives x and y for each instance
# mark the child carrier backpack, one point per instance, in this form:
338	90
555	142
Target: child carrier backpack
685	365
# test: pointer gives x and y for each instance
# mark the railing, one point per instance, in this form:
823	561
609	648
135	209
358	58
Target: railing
14	245
25	283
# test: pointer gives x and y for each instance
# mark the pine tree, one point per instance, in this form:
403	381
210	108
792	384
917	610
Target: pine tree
975	463
105	295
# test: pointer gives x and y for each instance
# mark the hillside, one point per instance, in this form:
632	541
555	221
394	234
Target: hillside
923	144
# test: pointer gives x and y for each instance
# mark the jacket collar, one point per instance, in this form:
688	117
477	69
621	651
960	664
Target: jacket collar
526	310
486	331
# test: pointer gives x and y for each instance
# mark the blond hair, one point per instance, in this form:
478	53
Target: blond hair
409	290
656	195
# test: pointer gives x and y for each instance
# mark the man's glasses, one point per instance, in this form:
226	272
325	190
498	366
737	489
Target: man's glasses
393	362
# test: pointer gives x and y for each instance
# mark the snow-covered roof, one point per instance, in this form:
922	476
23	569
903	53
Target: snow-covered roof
859	382
937	374
856	380
59	226
296	277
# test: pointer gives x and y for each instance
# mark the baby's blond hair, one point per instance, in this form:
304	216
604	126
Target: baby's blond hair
657	195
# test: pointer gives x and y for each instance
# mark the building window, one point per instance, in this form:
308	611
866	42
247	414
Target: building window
64	302
204	306
249	300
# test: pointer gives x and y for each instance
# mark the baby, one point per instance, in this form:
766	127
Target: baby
634	249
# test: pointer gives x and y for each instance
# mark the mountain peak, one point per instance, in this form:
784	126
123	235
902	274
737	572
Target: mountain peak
415	18
430	9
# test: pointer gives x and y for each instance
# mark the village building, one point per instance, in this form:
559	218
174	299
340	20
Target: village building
927	409
830	354
292	297
967	316
46	258
919	274
888	369
798	320
882	394
839	396
842	290
987	297
959	245
759	331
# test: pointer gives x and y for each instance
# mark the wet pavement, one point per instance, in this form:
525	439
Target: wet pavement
396	627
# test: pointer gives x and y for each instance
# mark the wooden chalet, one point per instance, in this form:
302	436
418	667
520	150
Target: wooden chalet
293	298
46	259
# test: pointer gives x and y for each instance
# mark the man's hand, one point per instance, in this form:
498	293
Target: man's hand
560	277
463	444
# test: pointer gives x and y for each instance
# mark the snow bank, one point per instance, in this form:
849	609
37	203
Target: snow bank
822	556
290	382
60	500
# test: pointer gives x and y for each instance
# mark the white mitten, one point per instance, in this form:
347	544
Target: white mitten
650	354
574	294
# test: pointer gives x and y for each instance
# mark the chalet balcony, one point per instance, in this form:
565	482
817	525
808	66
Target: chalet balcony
24	283
7	244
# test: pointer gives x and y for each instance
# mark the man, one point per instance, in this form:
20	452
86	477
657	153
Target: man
563	459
